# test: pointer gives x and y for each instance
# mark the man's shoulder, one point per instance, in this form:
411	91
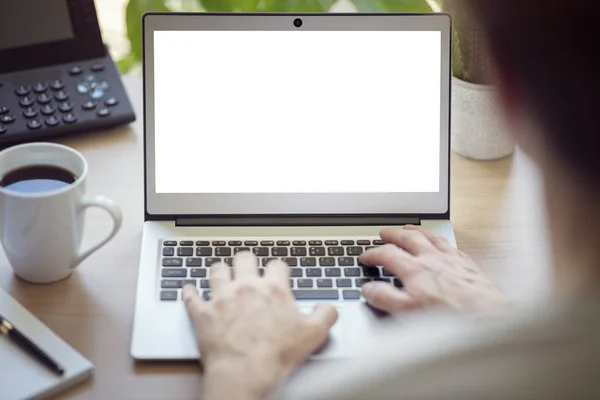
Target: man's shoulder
549	350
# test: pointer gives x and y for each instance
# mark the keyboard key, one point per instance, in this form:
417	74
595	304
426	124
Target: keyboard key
26	101
198	273
326	261
211	260
291	283
188	282
57	84
172	262
169	243
22	90
324	283
283	243
333	272
363	242
385	272
351	294
206	251
207	295
204	283
305	283
313	272
345	261
229	261
35	124
361	264
218	243
30	112
354	251
7	119
299	242
267	243
48	109
202	243
316	251
298	251
168	251
185	251
266	260
234	243
347	242
173	273
44	98
296	272
361	281
52	120
279	251
308	262
331	243
387	280
315	243
65	106
170	284
261	251
223	251
193	262
370	247
261	272
398	283
371	271
186	243
250	243
351	271
335	251
290	261
168	295
324	294
343	282
378	242
240	249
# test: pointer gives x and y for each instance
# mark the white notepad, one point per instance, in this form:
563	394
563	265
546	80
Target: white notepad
21	376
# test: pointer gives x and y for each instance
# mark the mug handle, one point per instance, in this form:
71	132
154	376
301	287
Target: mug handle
112	209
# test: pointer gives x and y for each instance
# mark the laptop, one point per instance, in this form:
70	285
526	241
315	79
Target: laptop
294	136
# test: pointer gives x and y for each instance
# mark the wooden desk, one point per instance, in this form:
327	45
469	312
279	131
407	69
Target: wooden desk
495	209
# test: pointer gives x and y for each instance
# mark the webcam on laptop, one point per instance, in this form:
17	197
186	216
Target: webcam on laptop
297	22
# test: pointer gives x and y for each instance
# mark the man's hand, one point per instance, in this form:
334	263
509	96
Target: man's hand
251	334
432	271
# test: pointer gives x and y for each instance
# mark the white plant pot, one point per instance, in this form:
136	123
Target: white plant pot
477	128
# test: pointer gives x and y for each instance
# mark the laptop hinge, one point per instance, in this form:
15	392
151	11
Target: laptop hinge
297	221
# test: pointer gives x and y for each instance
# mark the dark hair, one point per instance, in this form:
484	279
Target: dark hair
551	48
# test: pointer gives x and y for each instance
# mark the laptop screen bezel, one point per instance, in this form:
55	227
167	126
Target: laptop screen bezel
171	205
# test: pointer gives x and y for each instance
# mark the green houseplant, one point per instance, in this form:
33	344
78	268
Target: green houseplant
136	8
476	132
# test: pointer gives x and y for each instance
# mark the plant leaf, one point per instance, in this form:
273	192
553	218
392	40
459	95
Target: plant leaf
376	6
184	5
220	5
133	19
298	5
126	63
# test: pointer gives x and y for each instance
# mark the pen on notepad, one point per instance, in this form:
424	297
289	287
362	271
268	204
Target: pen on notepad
8	330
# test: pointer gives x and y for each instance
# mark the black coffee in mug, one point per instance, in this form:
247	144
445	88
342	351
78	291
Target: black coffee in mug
37	179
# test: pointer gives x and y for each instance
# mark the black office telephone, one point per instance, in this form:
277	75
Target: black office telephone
56	75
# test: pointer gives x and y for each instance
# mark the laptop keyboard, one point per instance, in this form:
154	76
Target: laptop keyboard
325	269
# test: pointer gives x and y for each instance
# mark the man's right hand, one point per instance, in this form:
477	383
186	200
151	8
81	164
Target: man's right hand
433	273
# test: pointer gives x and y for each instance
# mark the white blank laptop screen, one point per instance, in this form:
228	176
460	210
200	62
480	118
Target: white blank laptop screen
297	111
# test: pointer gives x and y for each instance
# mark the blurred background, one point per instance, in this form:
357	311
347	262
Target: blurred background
120	20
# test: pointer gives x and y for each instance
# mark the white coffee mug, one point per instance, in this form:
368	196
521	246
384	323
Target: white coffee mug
41	232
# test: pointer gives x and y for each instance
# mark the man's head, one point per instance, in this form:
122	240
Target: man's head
547	57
